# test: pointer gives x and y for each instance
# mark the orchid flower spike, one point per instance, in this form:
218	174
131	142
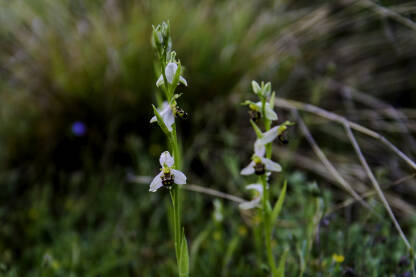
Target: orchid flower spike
255	202
274	132
167	115
167	176
170	72
259	164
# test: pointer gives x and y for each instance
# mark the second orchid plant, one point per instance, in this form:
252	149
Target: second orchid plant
262	113
170	176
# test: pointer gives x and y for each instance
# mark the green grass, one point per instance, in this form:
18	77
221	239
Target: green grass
107	227
66	208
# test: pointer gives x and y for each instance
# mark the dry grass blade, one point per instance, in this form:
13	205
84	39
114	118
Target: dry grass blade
195	188
214	193
291	104
369	194
333	171
380	106
375	183
389	13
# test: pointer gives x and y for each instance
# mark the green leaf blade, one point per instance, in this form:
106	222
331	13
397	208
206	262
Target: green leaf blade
184	257
279	204
282	263
160	121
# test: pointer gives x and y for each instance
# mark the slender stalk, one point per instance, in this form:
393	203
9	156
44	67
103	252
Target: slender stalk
267	225
412	261
175	195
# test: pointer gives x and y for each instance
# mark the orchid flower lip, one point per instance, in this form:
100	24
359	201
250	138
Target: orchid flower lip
260	165
167	175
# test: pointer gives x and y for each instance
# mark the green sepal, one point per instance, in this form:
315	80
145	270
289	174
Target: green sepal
256	87
283	127
256	129
183	257
252	106
282	263
175	96
248	102
172	58
271	100
266	89
160	121
278	206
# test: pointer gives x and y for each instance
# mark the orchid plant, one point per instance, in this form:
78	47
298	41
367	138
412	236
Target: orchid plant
170	176
262	112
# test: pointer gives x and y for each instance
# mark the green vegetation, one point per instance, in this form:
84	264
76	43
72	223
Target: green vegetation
77	151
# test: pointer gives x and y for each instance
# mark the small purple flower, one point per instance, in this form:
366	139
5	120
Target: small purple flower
78	128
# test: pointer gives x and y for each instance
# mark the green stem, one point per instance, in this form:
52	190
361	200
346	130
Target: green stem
267	225
175	194
412	261
267	125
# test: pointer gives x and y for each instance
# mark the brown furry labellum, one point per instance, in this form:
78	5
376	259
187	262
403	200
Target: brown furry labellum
283	139
167	179
180	113
254	115
259	169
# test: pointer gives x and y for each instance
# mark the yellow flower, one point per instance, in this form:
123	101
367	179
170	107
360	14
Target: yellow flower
217	235
242	231
338	258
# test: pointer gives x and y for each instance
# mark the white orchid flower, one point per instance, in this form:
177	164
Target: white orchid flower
255	202
268	110
167	115
273	133
259	164
170	72
167	175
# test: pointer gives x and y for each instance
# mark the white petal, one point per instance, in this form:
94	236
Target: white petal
180	178
248	170
156	183
258	104
269	136
165	106
271	165
159	81
168	118
170	71
249	204
257	187
253	203
259	149
270	114
162	110
183	80
166	158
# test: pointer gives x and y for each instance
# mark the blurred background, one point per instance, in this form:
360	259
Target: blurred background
77	80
